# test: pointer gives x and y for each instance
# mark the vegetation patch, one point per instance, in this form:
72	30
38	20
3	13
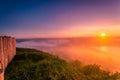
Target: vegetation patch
31	64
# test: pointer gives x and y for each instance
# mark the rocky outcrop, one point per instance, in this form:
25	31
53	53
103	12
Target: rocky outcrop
7	52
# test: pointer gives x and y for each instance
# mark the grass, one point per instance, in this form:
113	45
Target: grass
31	64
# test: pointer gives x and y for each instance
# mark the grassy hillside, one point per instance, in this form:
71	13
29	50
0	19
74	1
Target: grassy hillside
30	64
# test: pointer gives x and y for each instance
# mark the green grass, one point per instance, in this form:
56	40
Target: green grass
31	64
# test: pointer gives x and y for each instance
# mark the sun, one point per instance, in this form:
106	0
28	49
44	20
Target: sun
103	34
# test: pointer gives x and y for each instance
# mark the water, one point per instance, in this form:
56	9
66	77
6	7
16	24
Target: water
78	49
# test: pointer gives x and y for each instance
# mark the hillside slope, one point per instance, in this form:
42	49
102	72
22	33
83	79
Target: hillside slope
30	64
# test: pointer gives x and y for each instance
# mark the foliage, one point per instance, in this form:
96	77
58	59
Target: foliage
30	64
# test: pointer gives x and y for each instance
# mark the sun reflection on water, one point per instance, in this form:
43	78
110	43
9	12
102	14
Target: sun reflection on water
103	48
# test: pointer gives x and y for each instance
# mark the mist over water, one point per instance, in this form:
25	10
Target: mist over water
84	50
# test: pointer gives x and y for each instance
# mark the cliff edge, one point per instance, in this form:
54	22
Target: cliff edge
7	52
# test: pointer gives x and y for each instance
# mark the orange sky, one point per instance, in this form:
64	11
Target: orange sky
60	18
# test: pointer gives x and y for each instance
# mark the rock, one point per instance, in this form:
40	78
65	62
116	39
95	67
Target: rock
7	52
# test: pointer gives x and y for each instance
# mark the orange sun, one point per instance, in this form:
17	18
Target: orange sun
103	34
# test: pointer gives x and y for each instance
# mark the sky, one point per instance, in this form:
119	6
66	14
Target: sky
59	18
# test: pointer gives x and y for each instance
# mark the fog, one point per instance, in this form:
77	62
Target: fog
77	49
